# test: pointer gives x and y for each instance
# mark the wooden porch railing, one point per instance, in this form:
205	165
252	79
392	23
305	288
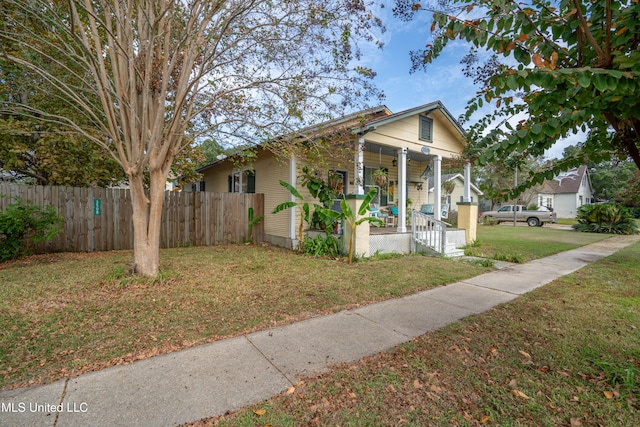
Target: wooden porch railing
429	232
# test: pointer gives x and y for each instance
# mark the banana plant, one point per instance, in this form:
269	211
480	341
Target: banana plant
349	217
304	211
253	222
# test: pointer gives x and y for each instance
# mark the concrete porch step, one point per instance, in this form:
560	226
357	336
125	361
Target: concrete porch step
450	251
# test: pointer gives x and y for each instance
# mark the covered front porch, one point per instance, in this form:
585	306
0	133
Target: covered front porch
411	149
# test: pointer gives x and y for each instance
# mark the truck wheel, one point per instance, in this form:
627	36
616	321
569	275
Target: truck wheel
533	222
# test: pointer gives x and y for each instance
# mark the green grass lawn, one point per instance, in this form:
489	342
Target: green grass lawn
522	244
567	354
64	314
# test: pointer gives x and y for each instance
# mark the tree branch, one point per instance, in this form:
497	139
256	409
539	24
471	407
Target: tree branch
585	27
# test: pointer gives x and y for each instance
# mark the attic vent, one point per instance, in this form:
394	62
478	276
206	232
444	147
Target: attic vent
426	129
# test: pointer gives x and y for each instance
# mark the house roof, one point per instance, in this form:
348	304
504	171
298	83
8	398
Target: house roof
449	177
367	120
565	182
422	109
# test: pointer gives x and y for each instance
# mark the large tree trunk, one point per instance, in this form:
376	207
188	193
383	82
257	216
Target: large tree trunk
147	216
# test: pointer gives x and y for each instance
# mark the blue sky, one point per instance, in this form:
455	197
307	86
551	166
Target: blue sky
443	79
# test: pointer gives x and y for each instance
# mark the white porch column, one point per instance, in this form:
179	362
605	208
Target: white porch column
437	187
358	169
402	191
293	217
467	182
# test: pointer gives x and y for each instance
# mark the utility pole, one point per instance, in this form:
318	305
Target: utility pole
514	206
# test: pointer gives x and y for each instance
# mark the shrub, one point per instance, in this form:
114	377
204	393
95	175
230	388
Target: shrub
605	218
322	245
488	220
453	219
23	223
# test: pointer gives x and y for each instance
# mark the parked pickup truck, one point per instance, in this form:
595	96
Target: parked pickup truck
532	218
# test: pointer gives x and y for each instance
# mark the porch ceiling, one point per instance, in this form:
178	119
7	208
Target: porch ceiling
417	156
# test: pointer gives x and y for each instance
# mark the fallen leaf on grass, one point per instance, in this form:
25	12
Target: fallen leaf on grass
575	422
520	394
416	384
485	419
608	394
525	354
259	412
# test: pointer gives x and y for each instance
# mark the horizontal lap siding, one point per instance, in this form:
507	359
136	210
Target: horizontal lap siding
187	219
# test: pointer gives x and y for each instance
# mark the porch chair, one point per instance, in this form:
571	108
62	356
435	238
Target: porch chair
392	220
427	209
375	212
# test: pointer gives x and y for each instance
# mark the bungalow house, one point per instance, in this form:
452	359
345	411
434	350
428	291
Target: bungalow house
566	192
408	146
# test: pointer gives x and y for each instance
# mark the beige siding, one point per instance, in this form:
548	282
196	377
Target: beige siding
269	170
447	142
404	133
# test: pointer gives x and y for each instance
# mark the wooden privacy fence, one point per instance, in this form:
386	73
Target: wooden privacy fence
100	219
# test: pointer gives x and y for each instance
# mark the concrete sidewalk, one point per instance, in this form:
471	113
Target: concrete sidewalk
227	375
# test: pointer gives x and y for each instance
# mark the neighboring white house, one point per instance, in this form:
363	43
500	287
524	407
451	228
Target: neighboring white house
566	192
450	199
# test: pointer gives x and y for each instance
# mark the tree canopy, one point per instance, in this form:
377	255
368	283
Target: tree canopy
558	68
143	79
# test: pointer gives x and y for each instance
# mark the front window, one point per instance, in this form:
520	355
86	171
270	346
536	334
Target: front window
243	182
382	198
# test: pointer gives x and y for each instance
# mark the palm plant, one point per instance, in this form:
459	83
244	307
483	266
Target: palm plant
605	218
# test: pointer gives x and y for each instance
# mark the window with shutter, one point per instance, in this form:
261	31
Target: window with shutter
243	182
426	129
251	182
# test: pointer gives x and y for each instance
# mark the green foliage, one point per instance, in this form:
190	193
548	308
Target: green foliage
623	375
349	217
322	245
515	258
605	218
253	222
578	70
319	189
487	220
23	223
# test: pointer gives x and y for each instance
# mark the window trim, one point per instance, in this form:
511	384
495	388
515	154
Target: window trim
241	174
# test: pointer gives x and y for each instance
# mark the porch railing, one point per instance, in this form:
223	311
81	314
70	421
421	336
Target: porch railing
429	232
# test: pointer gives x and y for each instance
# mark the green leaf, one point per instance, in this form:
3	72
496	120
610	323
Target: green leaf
536	128
584	79
291	189
367	201
600	82
512	82
522	55
283	206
